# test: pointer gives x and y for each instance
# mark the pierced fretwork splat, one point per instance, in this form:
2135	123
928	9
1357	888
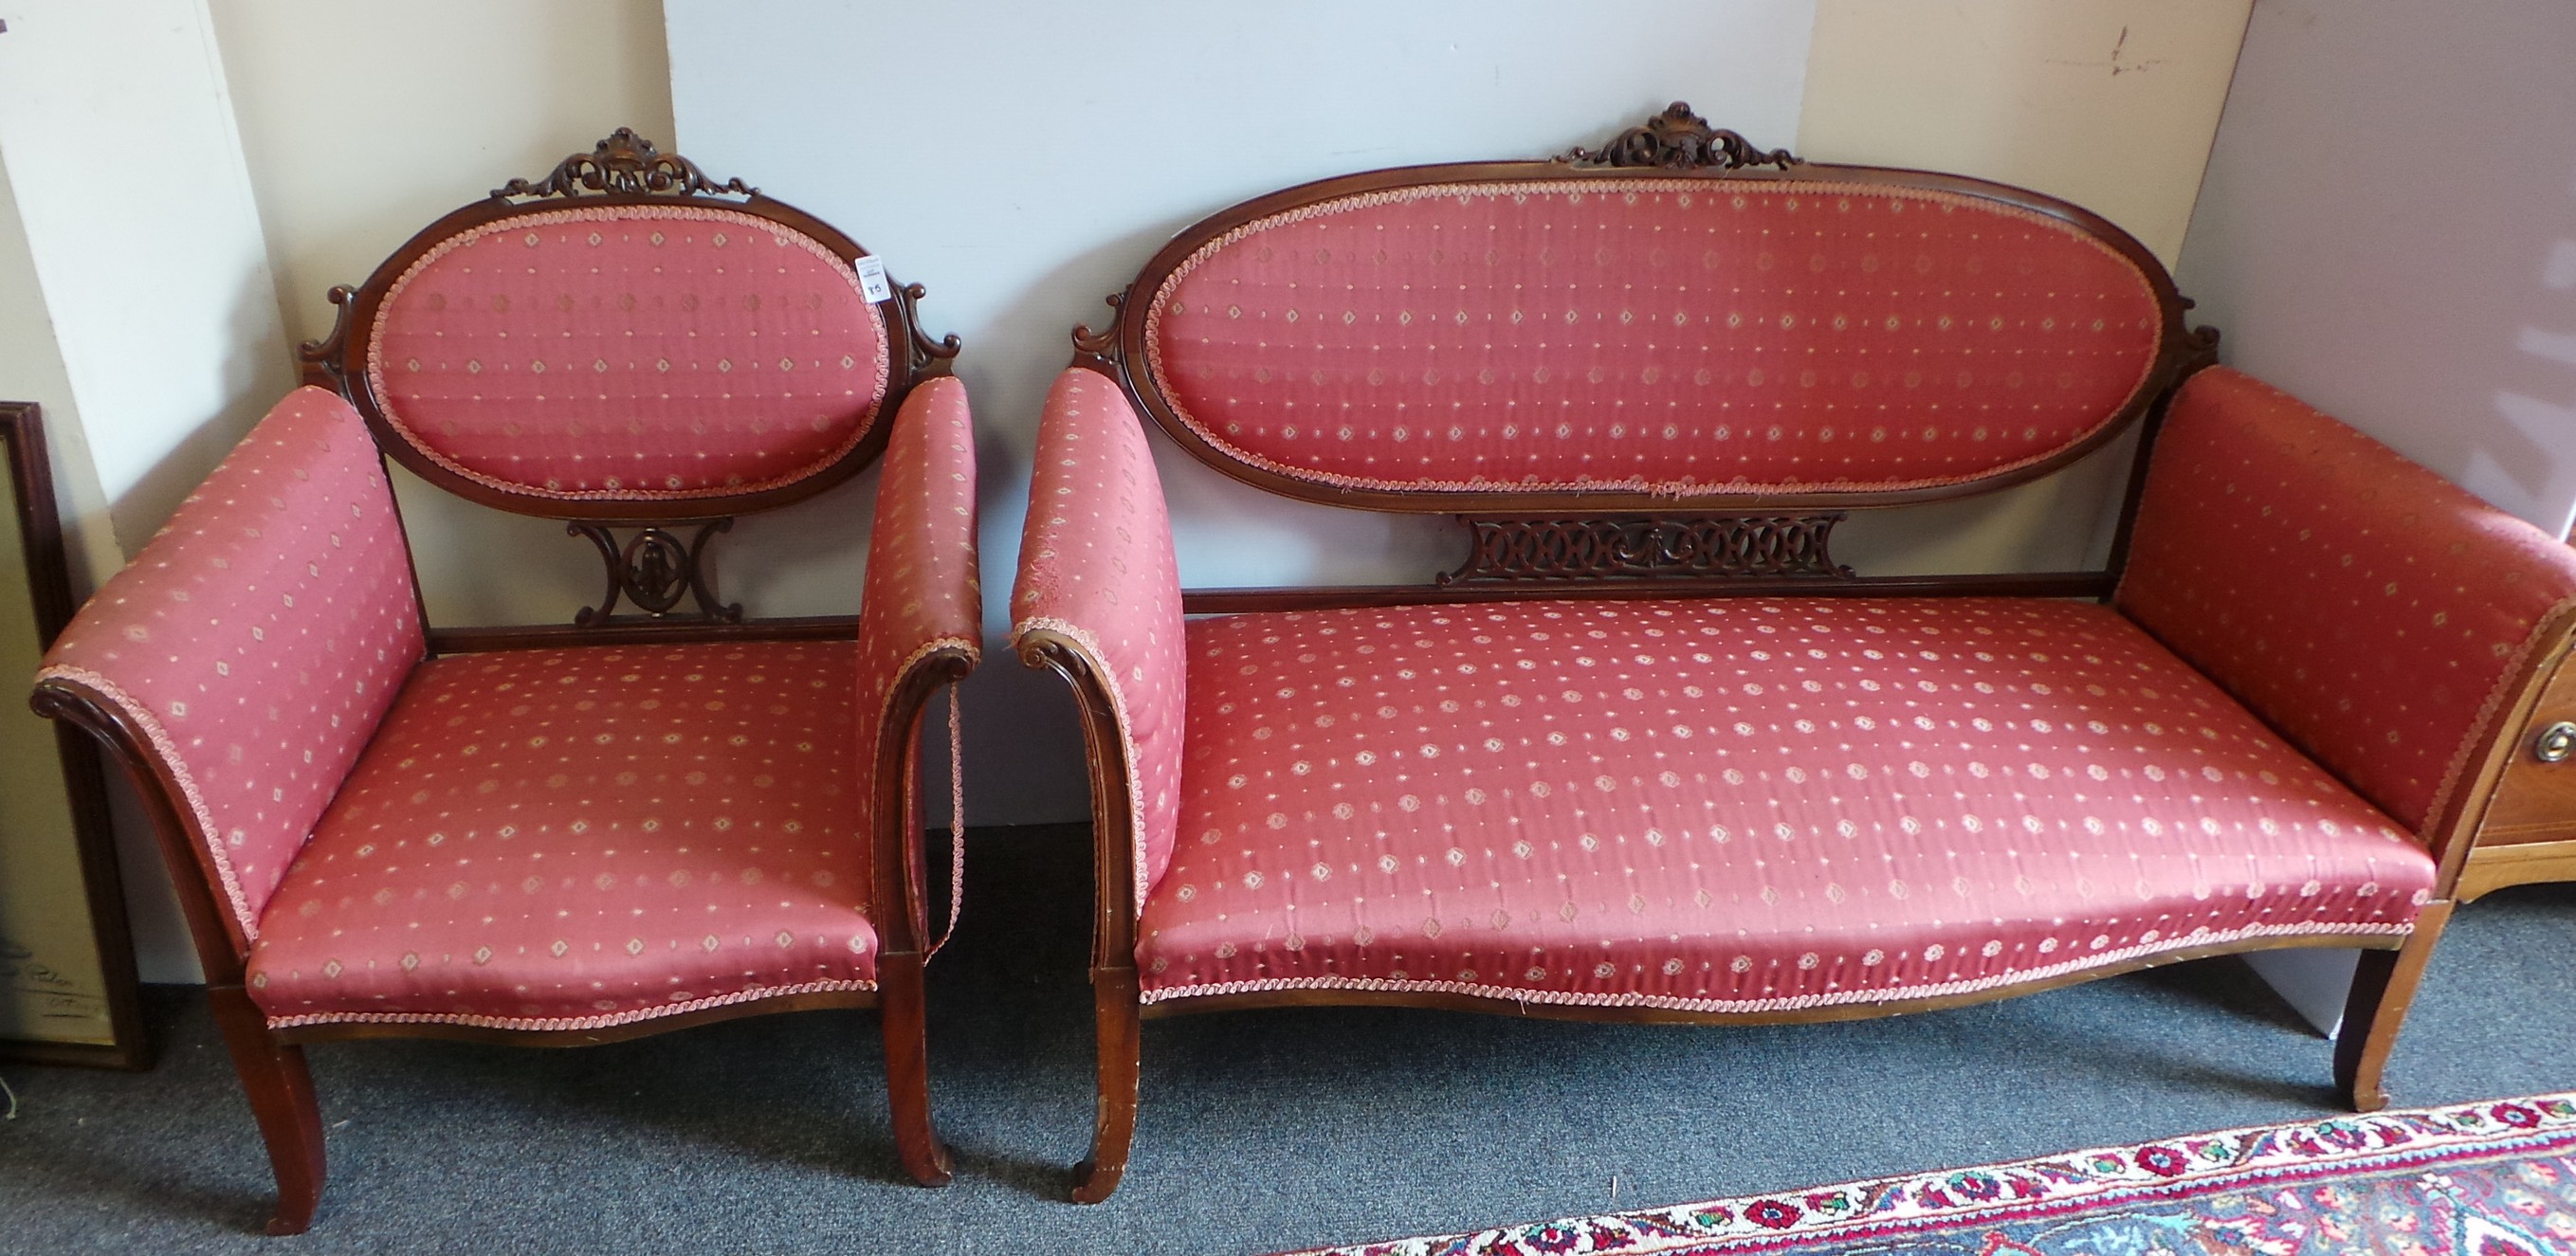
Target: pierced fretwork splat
654	570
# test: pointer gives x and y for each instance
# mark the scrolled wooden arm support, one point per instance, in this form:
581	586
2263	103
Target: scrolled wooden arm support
322	360
273	1073
1114	984
898	860
930	358
1099	350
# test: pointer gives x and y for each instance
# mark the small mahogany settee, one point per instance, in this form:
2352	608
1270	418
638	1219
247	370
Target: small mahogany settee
1650	753
648	819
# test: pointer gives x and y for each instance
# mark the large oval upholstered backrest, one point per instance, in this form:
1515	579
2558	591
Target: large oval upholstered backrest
642	354
1410	338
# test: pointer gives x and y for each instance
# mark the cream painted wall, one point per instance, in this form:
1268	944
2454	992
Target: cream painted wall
2110	104
126	169
361	123
31	369
132	213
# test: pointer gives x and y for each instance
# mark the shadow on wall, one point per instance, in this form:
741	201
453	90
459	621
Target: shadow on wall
2532	462
248	387
2388	232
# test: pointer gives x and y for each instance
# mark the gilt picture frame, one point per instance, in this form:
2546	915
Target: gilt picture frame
68	991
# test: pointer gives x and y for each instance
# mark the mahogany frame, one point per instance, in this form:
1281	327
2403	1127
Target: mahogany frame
2390	969
269	1060
2530	837
49	593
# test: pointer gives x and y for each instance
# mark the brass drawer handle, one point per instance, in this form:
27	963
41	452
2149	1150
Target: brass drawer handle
2555	743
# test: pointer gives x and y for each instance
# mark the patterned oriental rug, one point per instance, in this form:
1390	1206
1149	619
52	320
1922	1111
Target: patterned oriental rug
2487	1179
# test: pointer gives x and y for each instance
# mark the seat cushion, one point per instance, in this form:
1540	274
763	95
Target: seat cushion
1734	805
573	838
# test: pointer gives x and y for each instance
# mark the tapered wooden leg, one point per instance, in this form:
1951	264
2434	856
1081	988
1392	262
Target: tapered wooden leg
281	1098
902	1016
2381	990
1114	1006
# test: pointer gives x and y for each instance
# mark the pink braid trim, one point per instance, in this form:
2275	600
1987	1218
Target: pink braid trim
956	821
1126	740
562	1022
167	748
1878	994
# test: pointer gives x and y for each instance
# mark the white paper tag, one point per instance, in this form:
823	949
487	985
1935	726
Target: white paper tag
872	280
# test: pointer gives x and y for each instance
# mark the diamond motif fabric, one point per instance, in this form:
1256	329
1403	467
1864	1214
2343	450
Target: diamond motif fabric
921	584
630	352
555	839
1734	805
1096	566
1679	336
2363	604
259	638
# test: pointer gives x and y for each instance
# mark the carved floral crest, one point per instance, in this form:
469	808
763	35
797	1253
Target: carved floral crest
1678	139
625	164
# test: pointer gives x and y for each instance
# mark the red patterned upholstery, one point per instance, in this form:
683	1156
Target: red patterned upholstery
1096	567
629	352
1665	335
2355	600
565	839
921	584
1734	805
259	638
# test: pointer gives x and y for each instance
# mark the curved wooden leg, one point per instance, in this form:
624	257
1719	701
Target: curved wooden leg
2381	990
281	1098
1114	1006
902	1017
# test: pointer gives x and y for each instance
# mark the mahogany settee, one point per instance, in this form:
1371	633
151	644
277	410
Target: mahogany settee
1650	753
654	817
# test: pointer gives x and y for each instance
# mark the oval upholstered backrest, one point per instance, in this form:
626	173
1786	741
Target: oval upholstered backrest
1466	337
635	351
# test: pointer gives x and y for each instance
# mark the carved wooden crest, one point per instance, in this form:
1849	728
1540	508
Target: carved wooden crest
1678	139
625	164
1099	349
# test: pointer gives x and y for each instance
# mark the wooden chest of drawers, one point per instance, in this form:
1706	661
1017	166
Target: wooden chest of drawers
2529	833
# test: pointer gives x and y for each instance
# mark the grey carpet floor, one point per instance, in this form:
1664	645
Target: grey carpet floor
1260	1131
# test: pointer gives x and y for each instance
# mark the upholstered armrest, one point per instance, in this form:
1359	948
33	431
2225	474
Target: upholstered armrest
1100	598
921	593
251	648
2369	609
920	615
